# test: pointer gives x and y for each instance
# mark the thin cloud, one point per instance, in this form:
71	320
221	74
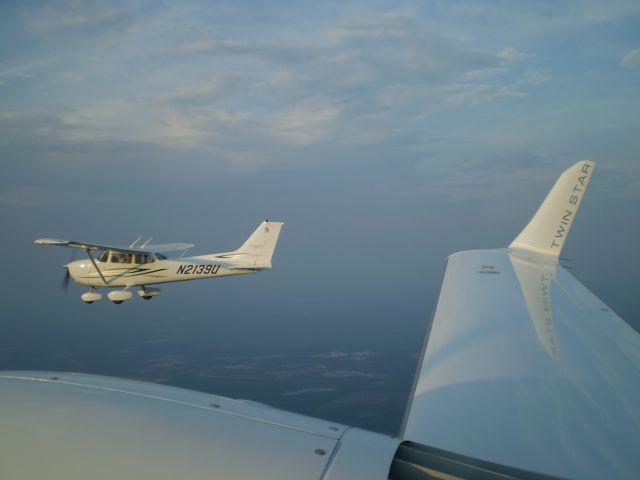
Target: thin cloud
534	77
510	54
223	86
74	16
475	94
631	59
355	80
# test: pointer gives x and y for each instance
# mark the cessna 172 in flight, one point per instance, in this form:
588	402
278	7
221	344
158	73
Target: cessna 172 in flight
524	373
134	266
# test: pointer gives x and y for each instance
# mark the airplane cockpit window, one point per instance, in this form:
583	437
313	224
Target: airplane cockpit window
159	256
117	257
103	256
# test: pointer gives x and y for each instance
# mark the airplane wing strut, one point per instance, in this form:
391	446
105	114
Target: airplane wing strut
95	265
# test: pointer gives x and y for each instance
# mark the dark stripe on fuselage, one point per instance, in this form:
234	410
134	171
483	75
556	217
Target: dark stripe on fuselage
135	273
147	273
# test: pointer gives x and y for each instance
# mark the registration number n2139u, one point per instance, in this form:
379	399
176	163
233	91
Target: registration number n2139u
198	269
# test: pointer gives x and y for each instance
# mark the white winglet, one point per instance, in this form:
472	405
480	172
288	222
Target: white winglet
549	227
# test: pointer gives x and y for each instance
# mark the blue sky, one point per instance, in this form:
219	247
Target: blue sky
386	135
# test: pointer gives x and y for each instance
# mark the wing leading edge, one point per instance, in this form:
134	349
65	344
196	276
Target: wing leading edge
523	365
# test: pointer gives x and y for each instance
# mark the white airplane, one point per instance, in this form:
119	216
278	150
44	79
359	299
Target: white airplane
133	266
524	373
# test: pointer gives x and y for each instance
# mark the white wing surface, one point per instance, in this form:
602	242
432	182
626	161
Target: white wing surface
74	426
165	247
525	367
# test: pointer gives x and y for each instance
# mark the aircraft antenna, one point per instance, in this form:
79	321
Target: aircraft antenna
135	241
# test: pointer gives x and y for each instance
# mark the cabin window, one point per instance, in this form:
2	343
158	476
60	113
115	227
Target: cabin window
117	257
159	256
103	257
140	258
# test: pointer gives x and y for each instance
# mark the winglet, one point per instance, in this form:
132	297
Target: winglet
549	227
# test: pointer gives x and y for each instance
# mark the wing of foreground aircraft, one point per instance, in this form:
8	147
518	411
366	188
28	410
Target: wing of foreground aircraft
523	365
524	374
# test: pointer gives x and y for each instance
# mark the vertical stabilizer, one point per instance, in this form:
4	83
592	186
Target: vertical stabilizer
261	244
549	227
256	252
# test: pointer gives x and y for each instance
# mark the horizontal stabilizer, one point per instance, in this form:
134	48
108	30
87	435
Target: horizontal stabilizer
548	229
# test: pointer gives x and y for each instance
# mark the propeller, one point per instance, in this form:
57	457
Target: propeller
65	280
67	275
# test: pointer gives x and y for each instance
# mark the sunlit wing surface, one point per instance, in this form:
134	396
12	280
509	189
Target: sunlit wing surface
72	426
537	374
525	367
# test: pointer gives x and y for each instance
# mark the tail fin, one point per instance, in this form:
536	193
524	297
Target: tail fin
549	227
260	246
256	252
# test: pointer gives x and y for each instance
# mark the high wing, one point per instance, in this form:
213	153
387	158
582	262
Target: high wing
166	247
523	365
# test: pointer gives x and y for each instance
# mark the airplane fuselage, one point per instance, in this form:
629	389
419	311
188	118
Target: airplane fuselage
158	271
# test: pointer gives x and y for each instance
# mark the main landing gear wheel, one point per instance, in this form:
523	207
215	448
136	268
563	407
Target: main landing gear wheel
119	296
148	292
